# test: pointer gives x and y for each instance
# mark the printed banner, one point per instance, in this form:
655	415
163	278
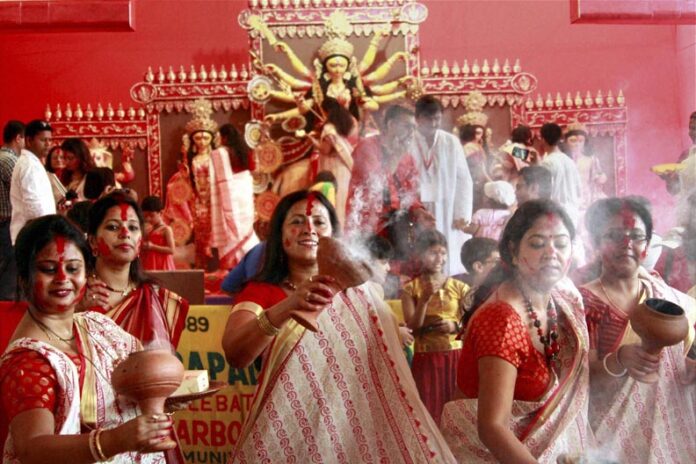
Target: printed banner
209	428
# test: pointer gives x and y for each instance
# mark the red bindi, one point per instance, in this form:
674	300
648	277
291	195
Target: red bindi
124	210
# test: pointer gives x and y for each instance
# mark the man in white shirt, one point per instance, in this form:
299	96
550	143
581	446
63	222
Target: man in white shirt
446	187
566	188
30	192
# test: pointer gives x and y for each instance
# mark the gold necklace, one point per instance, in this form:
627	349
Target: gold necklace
611	302
48	331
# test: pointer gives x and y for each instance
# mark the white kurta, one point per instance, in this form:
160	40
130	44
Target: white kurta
446	189
567	189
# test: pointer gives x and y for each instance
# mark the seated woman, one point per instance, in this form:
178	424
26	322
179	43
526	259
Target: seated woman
55	377
117	287
523	367
664	432
344	393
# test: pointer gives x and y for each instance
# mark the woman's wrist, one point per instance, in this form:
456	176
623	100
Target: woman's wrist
621	373
109	443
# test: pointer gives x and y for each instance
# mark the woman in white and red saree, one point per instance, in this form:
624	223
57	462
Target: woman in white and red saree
635	418
55	377
117	288
341	394
524	370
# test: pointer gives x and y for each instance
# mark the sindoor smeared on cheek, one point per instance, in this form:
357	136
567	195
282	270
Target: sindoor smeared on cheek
102	248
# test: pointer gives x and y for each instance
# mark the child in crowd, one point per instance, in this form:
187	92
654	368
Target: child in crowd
479	255
489	221
381	251
158	246
432	305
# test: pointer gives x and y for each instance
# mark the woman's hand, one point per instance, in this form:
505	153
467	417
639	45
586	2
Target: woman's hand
639	362
313	294
444	327
97	294
406	335
147	433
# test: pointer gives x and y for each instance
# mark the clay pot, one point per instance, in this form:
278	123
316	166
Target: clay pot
148	377
659	323
335	260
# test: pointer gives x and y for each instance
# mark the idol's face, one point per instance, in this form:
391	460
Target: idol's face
202	141
306	221
576	144
544	253
336	67
624	244
119	235
59	277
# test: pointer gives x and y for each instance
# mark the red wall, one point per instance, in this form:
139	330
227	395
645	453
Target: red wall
654	65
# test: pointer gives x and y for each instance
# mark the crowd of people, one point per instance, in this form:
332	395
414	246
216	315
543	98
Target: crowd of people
516	273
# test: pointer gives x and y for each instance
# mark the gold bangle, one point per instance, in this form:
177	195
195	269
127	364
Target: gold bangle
92	447
266	326
97	443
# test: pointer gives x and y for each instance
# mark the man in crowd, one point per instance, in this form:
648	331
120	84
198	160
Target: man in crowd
676	180
384	196
13	143
566	188
534	183
446	187
31	193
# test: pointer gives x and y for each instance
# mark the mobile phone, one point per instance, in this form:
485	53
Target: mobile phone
520	152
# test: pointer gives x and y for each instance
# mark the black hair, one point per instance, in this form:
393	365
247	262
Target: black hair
429	238
325	176
692	116
96	216
79	148
36	126
151	204
467	132
49	158
79	214
521	134
394	112
11	130
515	229
336	114
540	176
476	249
97	180
551	133
379	247
602	211
239	151
428	105
274	268
34	237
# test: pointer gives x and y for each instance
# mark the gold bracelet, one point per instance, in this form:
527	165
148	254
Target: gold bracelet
92	447
97	443
266	326
606	368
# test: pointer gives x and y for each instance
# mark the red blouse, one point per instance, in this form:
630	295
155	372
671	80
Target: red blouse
261	293
605	324
497	330
28	381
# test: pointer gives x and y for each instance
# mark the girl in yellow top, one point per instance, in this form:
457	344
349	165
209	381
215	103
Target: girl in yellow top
432	305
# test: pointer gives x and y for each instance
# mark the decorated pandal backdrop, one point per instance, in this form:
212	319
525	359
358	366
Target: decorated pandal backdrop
149	143
287	40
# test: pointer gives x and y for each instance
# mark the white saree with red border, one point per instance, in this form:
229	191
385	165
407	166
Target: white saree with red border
343	394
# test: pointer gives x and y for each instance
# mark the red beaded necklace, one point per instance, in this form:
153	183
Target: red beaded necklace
550	340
